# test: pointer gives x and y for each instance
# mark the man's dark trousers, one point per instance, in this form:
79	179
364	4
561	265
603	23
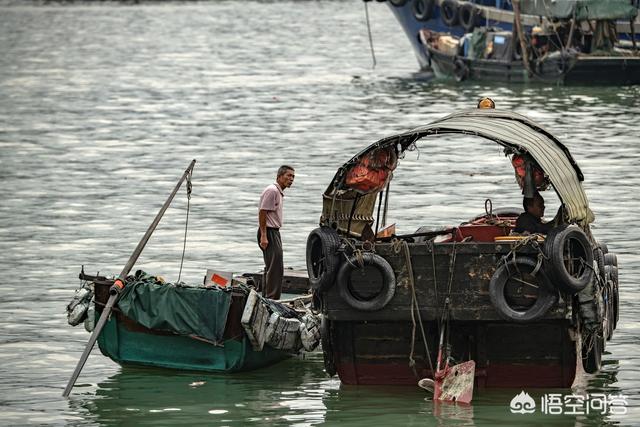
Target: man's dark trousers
273	264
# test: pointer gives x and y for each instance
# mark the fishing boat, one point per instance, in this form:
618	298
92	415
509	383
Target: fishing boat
558	53
474	300
208	328
458	17
221	325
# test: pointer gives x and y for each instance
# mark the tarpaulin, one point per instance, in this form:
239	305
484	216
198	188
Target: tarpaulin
180	309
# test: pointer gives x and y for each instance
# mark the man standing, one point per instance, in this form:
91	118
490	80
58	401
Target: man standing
270	221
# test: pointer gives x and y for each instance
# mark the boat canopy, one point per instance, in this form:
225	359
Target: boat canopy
580	9
351	207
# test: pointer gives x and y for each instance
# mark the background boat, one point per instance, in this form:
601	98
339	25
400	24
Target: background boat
460	17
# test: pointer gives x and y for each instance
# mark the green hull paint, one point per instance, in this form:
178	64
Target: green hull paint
179	352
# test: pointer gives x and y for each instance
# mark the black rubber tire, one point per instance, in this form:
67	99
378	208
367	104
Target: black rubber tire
327	348
423	9
607	272
398	3
592	352
449	12
598	256
558	241
469	16
547	297
610	259
322	257
604	247
609	315
614	274
616	305
345	284
460	70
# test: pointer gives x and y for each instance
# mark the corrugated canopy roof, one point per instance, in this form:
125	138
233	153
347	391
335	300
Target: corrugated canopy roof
508	129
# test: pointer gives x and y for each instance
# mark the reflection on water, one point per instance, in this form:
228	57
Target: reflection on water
139	396
103	105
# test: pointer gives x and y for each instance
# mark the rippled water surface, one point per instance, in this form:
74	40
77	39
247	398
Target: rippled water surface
103	105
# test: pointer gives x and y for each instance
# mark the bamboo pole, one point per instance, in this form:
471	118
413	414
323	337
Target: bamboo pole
118	285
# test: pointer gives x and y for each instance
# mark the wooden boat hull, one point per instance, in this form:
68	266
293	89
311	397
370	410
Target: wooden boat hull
126	342
128	345
375	347
506	355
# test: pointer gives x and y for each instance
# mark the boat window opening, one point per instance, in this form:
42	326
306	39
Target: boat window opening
449	183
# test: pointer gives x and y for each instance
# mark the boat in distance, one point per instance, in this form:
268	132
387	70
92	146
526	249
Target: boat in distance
459	17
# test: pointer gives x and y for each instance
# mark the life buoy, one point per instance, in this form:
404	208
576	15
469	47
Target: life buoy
322	257
505	281
423	9
460	70
366	287
449	12
570	258
398	3
469	16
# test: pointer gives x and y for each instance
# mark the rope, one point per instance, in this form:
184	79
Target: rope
529	240
186	224
373	54
433	265
414	306
358	253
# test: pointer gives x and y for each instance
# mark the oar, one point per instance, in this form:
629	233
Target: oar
118	285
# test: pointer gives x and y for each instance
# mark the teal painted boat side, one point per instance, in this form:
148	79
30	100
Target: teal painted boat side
126	347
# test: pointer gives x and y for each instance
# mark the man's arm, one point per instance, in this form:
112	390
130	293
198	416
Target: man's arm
262	221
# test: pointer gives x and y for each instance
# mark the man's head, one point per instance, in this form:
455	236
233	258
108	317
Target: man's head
286	174
534	205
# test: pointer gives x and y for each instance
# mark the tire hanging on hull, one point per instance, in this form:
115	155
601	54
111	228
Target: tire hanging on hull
423	9
322	257
371	269
570	259
509	279
449	12
469	16
460	70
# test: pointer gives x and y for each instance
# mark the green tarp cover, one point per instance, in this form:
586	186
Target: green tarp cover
179	309
584	9
478	43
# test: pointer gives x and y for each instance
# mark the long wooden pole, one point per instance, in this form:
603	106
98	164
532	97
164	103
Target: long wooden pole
118	285
520	34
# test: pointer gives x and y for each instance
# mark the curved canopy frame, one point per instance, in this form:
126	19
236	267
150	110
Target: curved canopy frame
513	131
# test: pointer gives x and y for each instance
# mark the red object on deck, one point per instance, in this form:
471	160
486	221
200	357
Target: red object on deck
219	280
